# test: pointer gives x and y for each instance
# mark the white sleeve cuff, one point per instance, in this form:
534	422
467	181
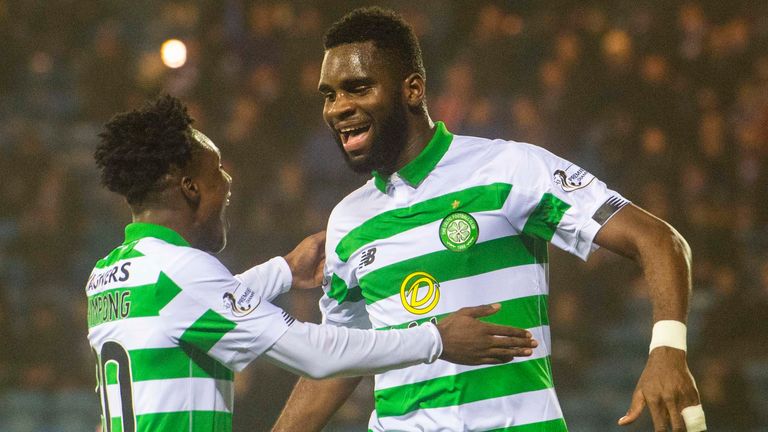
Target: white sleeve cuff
437	349
269	279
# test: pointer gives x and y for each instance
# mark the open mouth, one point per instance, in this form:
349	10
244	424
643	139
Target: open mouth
229	195
353	138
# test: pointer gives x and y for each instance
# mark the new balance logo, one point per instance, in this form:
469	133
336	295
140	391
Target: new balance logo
367	258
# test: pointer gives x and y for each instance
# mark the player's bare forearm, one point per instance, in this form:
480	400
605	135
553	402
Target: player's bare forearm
313	402
666	386
662	253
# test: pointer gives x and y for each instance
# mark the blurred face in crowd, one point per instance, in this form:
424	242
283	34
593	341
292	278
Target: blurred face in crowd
213	184
364	106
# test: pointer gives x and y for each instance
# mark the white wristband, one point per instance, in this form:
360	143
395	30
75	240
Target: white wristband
668	333
693	416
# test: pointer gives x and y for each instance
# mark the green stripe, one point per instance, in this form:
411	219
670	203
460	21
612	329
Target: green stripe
341	293
176	362
117	424
120	253
447	265
471	386
543	222
186	421
557	425
524	312
139	230
387	224
133	302
207	330
111	369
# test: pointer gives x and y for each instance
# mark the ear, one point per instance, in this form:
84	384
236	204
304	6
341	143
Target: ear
414	88
191	190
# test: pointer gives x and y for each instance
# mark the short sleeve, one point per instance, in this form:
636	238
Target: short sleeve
342	303
557	201
216	313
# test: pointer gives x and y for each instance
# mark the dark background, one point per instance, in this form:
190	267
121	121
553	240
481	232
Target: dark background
665	101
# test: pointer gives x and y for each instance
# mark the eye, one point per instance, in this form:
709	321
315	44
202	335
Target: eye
362	89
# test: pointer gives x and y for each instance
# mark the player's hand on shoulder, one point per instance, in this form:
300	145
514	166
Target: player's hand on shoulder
307	260
467	340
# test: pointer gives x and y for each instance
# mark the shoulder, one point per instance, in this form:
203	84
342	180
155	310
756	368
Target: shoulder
517	162
185	265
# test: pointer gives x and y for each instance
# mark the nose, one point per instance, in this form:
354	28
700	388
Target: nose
340	107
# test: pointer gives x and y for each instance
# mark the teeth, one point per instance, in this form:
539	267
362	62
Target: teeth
352	129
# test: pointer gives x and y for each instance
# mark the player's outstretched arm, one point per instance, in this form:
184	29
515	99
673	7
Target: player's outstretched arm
461	336
666	385
325	351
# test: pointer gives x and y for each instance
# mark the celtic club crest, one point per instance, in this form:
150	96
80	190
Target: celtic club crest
459	231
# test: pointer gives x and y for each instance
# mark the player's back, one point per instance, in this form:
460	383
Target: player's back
151	338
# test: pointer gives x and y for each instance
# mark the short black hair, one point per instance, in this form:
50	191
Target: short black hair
386	29
139	147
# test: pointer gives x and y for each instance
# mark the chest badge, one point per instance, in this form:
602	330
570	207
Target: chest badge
459	231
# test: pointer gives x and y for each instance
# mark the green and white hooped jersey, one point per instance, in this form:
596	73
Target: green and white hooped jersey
169	324
466	223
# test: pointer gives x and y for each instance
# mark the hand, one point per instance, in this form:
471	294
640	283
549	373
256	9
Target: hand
666	386
467	340
307	260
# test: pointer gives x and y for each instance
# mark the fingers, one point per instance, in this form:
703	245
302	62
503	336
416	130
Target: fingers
479	311
509	354
635	408
506	342
659	415
502	330
675	416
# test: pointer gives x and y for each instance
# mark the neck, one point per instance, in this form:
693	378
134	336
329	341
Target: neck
181	222
420	132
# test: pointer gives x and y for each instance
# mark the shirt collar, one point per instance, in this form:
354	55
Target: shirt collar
139	230
419	168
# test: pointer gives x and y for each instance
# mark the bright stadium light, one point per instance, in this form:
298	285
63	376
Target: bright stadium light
174	53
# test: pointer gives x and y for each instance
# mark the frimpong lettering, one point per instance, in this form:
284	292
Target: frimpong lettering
109	306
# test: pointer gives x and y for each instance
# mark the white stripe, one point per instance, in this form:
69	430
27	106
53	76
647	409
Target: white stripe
115	404
441	368
133	333
514	410
182	311
180	394
487	288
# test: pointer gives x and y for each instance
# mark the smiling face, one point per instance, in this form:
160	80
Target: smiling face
364	106
214	185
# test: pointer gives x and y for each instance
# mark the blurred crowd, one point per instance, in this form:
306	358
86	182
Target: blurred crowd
665	101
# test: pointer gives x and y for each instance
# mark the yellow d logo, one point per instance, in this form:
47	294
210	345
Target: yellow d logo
409	293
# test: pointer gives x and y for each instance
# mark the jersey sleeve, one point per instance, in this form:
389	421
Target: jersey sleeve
342	303
557	201
269	279
325	351
216	313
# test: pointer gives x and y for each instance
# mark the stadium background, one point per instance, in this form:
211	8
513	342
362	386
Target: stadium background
667	103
